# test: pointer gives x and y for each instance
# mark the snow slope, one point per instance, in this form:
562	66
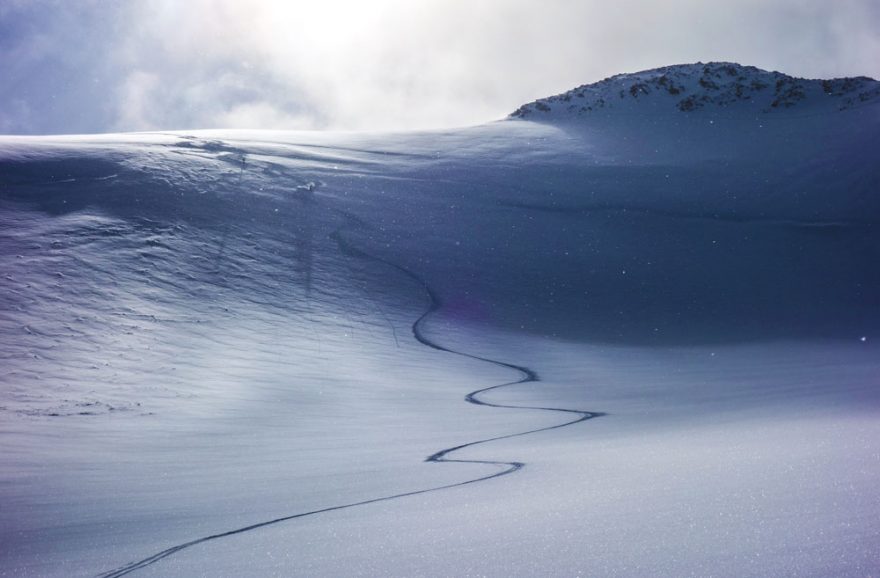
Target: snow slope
206	335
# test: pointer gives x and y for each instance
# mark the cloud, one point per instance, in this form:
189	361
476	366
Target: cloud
136	101
264	115
384	64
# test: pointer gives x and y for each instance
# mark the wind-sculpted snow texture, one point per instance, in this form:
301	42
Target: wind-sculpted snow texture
228	353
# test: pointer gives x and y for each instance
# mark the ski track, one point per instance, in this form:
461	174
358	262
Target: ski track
527	375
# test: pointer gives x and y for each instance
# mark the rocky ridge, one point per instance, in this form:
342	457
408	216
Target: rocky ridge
693	87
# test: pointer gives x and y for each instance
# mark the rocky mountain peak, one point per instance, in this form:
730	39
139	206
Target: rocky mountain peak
690	88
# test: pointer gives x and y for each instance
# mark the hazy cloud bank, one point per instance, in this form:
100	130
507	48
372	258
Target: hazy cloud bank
93	66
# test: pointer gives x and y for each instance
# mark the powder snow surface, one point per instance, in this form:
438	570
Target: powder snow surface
206	331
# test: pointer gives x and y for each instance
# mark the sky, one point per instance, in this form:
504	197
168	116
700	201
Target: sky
92	66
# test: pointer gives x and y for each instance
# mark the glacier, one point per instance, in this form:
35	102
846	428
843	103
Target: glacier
250	353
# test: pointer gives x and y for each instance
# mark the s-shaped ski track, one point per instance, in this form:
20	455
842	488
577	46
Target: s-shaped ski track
527	375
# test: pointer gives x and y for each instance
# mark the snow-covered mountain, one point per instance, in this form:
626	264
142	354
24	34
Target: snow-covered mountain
717	87
232	353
